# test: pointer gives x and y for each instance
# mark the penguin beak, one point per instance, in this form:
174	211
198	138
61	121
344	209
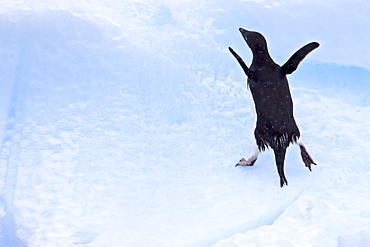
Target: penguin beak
244	33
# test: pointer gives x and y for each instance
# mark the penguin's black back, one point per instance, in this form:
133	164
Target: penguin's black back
269	86
276	127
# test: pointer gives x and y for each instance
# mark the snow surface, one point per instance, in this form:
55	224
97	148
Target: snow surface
122	122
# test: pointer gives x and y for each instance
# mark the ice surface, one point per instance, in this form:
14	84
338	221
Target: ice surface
122	122
359	237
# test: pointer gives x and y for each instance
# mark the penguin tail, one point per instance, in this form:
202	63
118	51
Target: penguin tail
279	159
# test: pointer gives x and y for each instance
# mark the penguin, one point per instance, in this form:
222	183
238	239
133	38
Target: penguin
268	83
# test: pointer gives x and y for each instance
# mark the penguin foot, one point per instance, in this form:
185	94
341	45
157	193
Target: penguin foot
249	162
306	158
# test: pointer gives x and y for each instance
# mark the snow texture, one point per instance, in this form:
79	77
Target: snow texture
121	123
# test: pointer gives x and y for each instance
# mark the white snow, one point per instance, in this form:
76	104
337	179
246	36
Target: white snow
359	237
122	122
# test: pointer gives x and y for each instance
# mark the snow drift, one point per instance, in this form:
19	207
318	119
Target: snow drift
122	123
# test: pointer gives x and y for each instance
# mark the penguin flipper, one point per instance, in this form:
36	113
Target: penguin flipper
247	71
291	65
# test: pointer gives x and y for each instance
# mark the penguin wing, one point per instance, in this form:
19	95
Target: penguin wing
291	65
247	71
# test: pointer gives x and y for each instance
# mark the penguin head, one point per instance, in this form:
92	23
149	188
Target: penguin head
256	42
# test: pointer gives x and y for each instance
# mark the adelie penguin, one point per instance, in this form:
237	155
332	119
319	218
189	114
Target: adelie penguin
276	127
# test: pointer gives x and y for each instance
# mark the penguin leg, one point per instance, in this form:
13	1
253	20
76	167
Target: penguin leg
279	159
306	157
251	160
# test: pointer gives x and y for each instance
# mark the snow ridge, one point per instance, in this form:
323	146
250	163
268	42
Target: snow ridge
123	122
